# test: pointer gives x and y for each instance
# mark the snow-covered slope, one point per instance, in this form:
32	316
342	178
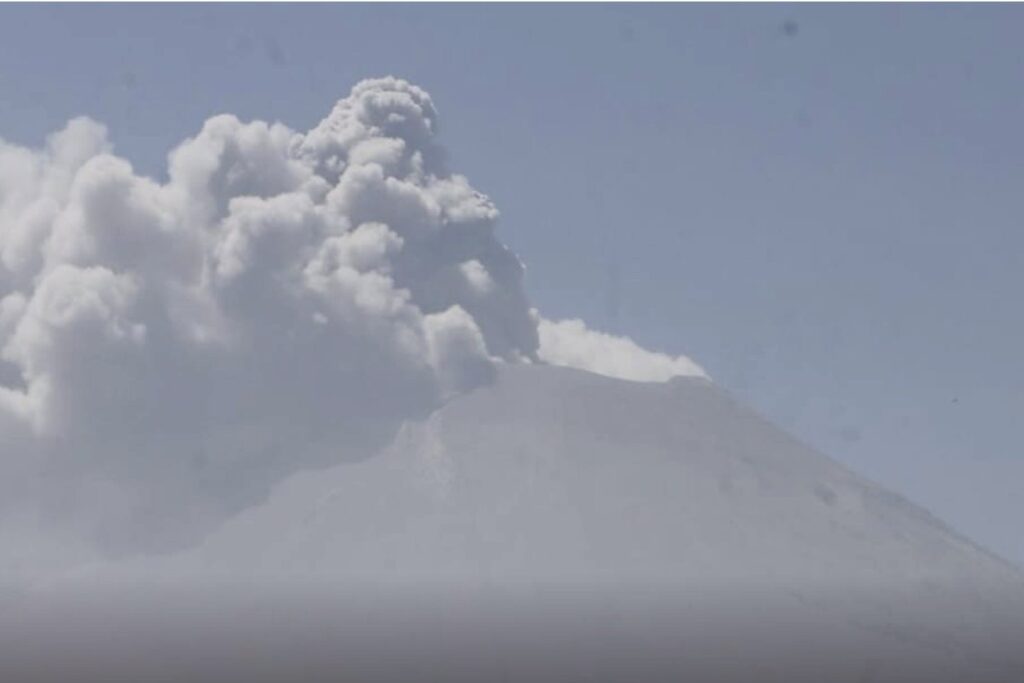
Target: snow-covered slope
552	481
554	473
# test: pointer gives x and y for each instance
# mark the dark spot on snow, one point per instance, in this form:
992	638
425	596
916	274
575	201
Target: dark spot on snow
825	494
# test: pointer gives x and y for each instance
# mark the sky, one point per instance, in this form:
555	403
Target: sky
818	204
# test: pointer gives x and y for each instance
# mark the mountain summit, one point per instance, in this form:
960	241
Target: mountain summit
555	473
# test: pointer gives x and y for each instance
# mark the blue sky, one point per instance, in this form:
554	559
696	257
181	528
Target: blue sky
820	204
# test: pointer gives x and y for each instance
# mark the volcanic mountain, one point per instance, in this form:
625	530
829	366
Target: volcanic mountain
561	525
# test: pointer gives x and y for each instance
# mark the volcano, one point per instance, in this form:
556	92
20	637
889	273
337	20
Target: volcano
560	525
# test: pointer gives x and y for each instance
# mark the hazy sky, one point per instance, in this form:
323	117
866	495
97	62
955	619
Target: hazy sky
820	205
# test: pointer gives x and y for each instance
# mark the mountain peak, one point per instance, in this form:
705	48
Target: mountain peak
626	522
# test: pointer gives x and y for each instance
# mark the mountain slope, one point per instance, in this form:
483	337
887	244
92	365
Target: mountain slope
588	528
551	472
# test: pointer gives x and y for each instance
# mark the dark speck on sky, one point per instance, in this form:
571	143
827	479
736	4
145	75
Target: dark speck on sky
274	52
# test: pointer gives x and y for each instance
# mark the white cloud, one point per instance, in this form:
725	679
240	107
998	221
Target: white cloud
570	343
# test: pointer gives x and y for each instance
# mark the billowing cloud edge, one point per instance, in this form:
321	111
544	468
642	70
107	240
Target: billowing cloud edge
570	343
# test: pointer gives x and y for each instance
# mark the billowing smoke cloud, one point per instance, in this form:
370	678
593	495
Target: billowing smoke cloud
170	350
571	343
